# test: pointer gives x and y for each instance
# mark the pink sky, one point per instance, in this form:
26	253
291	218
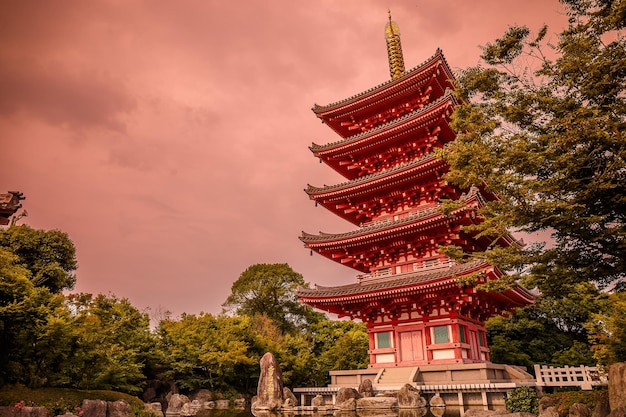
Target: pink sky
170	139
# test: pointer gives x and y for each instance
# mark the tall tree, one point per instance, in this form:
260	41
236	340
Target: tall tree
269	289
550	143
542	126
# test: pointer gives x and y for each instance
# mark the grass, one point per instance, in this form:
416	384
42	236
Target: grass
63	400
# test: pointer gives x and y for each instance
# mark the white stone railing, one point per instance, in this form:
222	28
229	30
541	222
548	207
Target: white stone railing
585	377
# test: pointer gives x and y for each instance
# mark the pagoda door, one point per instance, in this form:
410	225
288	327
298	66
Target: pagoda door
474	345
412	346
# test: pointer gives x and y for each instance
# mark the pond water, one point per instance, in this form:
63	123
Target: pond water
420	412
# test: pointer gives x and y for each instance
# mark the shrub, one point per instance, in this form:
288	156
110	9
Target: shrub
523	399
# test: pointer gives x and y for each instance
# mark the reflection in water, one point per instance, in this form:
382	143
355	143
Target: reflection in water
409	412
413	412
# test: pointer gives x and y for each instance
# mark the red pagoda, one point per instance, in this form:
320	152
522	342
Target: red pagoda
408	291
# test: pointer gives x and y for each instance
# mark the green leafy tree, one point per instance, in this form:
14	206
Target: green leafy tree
111	344
206	351
607	330
541	126
49	255
24	311
269	289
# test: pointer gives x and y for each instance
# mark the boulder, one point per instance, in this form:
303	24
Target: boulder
270	388
551	411
119	408
376	403
155	407
437	401
344	394
318	401
409	397
365	388
32	412
617	385
240	402
289	400
348	404
579	410
545	402
94	408
201	395
618	412
187	411
602	405
222	404
175	404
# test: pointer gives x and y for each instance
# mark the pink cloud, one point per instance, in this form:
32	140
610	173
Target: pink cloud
170	139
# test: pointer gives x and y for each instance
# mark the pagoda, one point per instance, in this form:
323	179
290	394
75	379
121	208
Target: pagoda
407	290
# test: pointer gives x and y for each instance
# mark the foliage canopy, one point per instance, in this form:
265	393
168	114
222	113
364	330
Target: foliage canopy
549	141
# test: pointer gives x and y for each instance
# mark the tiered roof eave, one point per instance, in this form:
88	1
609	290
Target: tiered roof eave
433	214
414	282
407	84
420	117
381	89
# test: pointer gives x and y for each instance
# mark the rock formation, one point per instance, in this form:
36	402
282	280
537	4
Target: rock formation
409	397
617	386
270	388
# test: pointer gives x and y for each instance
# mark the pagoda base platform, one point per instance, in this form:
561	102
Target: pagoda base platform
482	385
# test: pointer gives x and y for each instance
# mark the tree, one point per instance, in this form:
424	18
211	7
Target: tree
607	330
542	126
269	289
550	143
49	255
24	311
200	351
111	344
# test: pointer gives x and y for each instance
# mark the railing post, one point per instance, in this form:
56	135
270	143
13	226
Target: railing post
539	377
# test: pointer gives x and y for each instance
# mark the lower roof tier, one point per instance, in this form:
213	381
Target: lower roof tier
421	293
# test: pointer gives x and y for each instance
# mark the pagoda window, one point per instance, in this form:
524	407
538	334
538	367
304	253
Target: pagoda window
441	334
481	338
383	340
462	334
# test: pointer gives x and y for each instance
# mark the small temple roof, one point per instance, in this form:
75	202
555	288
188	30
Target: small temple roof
9	204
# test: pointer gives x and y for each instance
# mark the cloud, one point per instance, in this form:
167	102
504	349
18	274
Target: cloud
59	95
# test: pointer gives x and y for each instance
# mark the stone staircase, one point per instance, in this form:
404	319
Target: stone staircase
396	376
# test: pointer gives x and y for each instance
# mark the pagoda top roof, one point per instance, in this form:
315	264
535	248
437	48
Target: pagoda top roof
394	127
392	89
430	280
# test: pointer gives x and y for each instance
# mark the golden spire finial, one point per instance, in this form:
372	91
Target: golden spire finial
394	48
